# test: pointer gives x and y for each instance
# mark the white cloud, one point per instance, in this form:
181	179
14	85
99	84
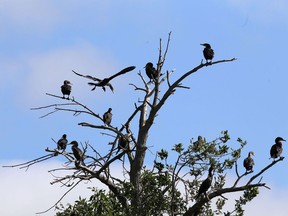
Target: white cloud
46	72
32	15
26	193
29	192
263	203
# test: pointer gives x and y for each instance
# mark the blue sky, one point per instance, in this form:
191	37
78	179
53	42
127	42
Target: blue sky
42	41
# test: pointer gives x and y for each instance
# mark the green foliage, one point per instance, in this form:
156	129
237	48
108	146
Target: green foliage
160	192
248	195
101	203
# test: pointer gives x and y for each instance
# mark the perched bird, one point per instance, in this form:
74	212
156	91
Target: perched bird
77	152
248	162
123	142
151	72
276	149
107	117
66	88
208	52
62	143
206	184
198	144
105	82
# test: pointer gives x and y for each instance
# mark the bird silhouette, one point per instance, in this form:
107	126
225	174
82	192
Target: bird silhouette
276	149
151	72
208	52
104	82
206	184
66	88
107	117
77	152
62	142
248	162
123	142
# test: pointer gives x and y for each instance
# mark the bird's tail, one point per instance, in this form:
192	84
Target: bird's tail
92	84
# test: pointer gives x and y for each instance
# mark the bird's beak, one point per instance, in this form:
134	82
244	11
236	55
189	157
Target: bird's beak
202	44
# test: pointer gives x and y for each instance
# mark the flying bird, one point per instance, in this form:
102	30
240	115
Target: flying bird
66	88
62	142
105	82
208	52
77	152
276	149
248	162
107	117
206	184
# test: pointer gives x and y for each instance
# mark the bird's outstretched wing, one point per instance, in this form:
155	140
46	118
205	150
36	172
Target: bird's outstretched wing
125	70
87	76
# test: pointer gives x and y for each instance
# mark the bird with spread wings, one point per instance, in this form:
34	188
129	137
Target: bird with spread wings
104	82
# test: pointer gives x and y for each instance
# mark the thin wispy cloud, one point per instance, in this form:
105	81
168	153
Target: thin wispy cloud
265	12
32	15
47	71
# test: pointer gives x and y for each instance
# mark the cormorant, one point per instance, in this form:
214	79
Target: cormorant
208	52
123	142
66	88
206	184
77	152
151	72
62	143
105	82
276	149
107	117
248	162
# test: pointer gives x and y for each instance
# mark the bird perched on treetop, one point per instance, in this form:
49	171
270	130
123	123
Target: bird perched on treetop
78	154
208	52
206	184
151	72
62	143
105	82
107	117
66	88
276	149
197	145
248	162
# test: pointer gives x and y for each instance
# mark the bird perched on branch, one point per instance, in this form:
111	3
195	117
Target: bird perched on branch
206	184
123	142
107	117
66	88
248	162
197	145
151	72
77	152
208	52
276	149
62	142
105	82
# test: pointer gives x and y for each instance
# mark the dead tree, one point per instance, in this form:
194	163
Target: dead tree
97	165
